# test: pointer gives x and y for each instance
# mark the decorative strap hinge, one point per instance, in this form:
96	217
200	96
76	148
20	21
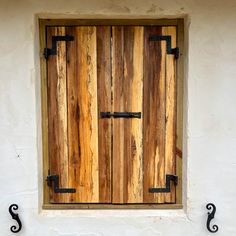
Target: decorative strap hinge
167	38
55	39
55	179
169	178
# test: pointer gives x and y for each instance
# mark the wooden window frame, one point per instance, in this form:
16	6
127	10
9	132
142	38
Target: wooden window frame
179	23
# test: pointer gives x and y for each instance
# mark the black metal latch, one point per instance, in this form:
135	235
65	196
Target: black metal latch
169	178
55	39
166	38
55	179
121	115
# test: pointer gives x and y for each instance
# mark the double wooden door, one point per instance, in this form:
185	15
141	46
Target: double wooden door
101	69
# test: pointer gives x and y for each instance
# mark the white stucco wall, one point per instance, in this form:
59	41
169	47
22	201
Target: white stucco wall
210	127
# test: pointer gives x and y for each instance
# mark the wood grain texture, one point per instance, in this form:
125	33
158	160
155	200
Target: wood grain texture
118	166
85	153
133	76
46	101
104	104
112	160
127	67
74	132
154	116
57	113
170	116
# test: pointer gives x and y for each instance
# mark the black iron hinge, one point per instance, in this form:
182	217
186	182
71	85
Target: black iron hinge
167	38
55	39
169	178
55	179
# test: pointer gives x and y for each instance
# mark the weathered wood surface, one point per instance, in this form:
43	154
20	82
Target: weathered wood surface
57	112
73	128
127	68
170	116
154	115
83	114
112	160
104	104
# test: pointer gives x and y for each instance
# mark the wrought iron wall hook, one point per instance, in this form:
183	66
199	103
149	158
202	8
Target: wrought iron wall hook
15	216
211	215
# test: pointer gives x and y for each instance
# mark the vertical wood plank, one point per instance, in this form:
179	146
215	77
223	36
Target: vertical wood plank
57	113
127	66
154	116
133	85
82	112
104	104
170	134
73	111
88	169
179	108
118	165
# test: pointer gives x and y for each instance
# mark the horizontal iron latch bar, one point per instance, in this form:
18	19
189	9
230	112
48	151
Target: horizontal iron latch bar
121	115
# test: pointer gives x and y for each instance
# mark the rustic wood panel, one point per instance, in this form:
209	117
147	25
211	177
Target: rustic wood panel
45	89
80	87
127	67
82	110
118	172
170	134
154	115
104	104
74	131
57	113
133	79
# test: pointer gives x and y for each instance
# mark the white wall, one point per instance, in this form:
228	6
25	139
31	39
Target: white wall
210	112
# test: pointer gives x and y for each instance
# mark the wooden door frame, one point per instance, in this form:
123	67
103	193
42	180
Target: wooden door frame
179	23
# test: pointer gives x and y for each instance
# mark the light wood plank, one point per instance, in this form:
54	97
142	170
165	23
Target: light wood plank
170	134
133	75
87	171
58	143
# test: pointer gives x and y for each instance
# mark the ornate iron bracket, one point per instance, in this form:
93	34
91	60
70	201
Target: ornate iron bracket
55	179
169	178
15	216
121	115
166	38
55	39
211	215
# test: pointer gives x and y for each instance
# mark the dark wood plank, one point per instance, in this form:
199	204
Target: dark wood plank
153	116
73	111
104	104
119	194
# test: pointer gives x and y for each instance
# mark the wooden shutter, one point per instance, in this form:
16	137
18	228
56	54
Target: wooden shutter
112	69
79	77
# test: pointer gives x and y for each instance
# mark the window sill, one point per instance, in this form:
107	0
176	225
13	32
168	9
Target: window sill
111	206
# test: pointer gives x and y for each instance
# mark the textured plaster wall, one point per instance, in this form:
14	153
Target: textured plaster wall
210	127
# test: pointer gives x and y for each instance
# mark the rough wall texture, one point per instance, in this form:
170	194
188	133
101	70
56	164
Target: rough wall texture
210	127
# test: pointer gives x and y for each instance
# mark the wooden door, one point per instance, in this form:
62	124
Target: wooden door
112	69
